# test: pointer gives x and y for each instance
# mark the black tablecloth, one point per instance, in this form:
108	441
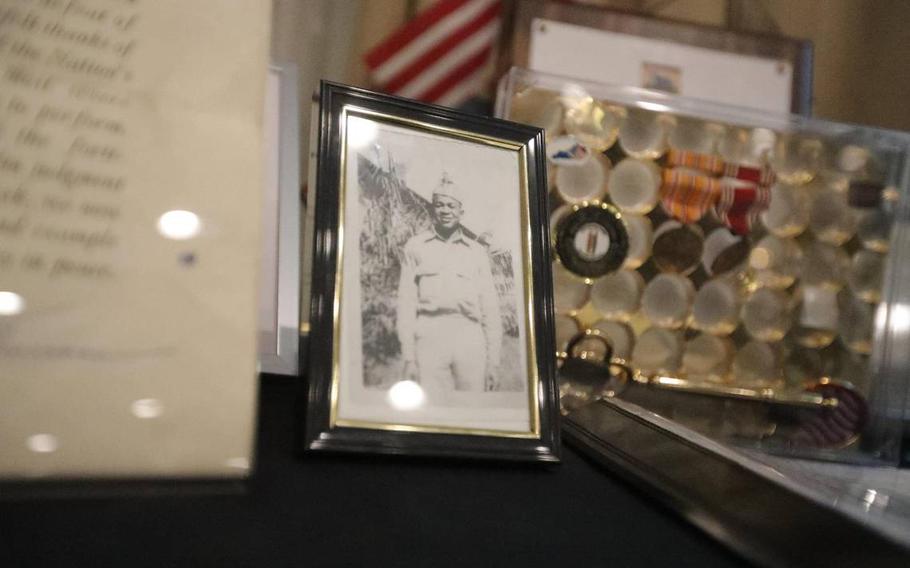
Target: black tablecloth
363	511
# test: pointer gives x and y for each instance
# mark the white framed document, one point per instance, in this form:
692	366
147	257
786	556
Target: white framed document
279	300
131	167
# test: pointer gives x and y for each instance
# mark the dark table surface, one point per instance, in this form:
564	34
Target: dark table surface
362	511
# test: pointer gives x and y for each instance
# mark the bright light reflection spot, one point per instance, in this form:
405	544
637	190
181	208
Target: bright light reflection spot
238	463
361	132
406	395
147	408
900	317
179	225
760	258
11	304
42	443
573	92
655	107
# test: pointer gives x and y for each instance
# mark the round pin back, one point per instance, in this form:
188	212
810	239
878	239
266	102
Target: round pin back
592	241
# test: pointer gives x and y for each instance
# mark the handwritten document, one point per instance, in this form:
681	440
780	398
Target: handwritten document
130	187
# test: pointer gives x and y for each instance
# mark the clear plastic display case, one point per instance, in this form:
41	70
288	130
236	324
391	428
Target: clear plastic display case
736	274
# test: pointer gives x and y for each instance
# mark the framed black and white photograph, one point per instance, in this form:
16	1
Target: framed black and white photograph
431	314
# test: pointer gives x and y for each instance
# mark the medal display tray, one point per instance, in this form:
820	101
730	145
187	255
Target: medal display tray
757	260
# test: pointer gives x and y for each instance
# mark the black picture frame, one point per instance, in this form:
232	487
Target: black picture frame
319	426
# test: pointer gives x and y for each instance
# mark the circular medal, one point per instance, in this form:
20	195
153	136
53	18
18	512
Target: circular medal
824	265
643	134
716	306
667	300
852	159
566	328
585	181
695	135
865	275
775	262
836	426
873	228
570	293
539	108
640	236
815	317
855	321
756	364
707	357
831	219
634	185
592	241
595	124
616	296
724	251
788	213
795	158
620	335
658	351
766	314
677	247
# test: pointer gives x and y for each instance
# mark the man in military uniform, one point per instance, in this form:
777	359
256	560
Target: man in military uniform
448	309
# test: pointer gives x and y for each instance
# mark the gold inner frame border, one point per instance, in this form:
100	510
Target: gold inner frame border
532	363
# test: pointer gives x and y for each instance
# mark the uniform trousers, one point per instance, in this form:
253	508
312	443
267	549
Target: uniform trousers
451	353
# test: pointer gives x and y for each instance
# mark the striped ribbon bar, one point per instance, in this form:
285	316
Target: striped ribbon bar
686	194
707	163
740	203
761	175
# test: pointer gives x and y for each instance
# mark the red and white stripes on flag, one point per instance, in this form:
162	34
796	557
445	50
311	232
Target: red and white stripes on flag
441	55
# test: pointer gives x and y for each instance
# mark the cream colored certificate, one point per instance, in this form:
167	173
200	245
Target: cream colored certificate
130	187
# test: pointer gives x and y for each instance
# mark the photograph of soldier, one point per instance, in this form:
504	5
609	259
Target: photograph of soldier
446	292
434	316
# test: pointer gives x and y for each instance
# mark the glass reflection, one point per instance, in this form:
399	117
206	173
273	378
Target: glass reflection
406	395
179	225
360	132
11	303
42	443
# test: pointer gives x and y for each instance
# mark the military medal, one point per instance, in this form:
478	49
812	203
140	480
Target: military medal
715	308
620	336
766	314
617	294
595	124
634	185
667	300
695	135
592	241
540	108
815	317
707	357
583	181
865	276
824	265
723	251
570	292
757	364
677	247
796	158
658	351
643	133
788	213
641	235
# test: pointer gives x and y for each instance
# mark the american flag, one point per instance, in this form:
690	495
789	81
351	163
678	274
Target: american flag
441	56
